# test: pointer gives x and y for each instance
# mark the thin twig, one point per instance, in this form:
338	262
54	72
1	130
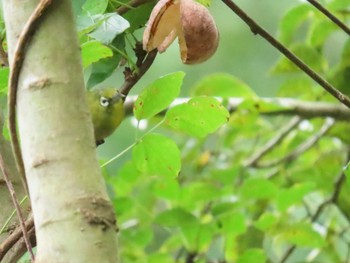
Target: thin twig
17	206
191	257
20	247
257	29
271	144
8	243
332	17
131	78
132	4
16	67
302	147
8	220
338	183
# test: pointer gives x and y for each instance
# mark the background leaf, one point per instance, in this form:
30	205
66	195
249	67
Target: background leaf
4	78
93	51
93	7
110	27
158	95
307	54
198	117
223	85
156	155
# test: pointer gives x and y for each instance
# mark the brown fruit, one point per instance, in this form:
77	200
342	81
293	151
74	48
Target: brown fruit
188	20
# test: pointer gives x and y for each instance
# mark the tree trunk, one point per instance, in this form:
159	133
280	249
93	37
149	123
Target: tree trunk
73	216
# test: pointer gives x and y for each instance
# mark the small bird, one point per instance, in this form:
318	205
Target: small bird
107	111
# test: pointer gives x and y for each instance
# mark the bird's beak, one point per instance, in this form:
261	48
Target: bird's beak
117	97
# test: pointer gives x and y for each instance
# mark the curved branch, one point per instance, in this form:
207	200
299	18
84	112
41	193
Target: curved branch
256	29
16	67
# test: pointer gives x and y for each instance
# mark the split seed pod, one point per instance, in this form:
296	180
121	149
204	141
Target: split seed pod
188	20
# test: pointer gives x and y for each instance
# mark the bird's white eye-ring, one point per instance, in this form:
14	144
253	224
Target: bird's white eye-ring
104	102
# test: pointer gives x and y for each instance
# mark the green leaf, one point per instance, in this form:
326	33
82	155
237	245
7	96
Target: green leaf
86	24
129	172
222	208
223	85
157	155
198	117
293	195
341	130
320	32
206	3
258	188
201	191
122	205
233	224
157	96
78	6
338	5
93	51
111	26
300	87
176	217
140	236
292	21
302	235
167	188
138	17
252	255
345	56
4	78
347	170
160	257
307	54
226	176
265	221
93	7
197	237
103	68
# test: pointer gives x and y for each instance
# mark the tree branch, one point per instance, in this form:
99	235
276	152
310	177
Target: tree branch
332	17
301	148
191	257
271	144
15	237
132	77
17	207
338	183
256	29
290	107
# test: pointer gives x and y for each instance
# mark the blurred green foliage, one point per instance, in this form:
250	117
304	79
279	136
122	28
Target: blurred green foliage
185	193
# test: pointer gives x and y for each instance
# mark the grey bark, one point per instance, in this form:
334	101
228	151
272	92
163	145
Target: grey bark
73	216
